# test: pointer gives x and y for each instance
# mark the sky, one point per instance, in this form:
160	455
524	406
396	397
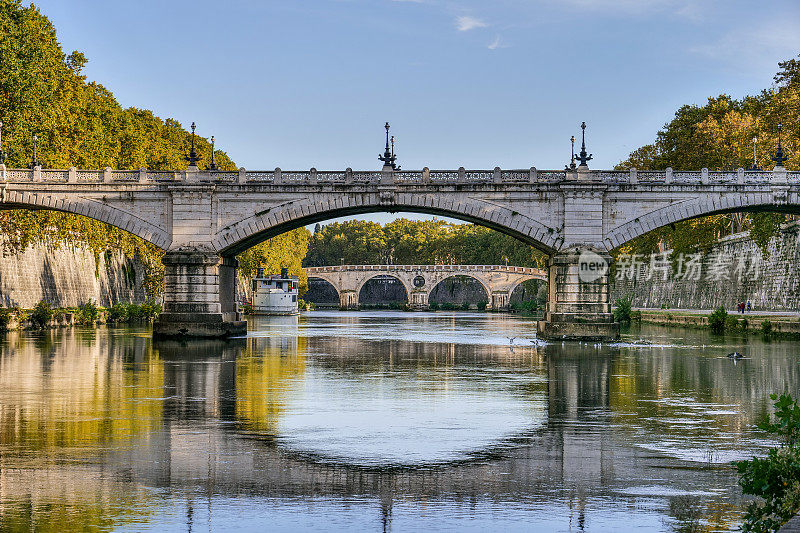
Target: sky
297	84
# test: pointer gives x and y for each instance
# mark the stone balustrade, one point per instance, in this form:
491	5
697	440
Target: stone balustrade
425	176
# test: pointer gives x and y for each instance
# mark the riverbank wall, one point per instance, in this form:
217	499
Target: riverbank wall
770	281
69	275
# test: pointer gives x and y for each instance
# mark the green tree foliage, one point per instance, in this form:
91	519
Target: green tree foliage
284	251
622	310
718	136
78	123
404	241
775	478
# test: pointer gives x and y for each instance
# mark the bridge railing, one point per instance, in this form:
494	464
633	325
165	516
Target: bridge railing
426	268
400	178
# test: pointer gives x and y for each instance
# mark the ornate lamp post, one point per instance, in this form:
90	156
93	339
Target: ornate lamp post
388	156
2	153
192	159
35	162
779	158
755	161
571	165
213	165
583	156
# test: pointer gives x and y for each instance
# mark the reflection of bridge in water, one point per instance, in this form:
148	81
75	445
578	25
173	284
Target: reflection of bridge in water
205	418
419	281
576	453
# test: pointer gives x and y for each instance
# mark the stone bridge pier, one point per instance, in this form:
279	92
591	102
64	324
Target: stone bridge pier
578	303
199	296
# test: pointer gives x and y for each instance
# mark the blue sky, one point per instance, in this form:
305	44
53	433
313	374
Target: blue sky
297	84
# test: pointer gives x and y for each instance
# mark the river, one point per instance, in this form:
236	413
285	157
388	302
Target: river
381	421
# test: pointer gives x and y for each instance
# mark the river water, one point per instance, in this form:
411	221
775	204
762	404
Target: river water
381	421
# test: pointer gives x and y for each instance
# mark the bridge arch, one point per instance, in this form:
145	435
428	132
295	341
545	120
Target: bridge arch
362	283
486	289
266	224
522	280
90	208
334	286
696	208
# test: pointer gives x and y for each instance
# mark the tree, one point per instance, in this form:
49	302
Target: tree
78	123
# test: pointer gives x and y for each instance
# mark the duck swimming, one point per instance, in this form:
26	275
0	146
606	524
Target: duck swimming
735	355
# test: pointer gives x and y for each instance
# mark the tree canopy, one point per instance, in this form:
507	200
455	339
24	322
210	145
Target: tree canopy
79	123
405	241
719	136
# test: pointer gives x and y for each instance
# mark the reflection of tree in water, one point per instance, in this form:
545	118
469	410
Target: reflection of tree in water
63	396
76	394
263	372
169	400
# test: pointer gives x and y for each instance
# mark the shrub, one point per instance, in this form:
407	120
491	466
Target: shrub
118	312
717	321
482	305
247	309
5	318
775	478
465	306
58	314
622	310
433	306
150	309
87	313
41	314
133	311
528	307
766	327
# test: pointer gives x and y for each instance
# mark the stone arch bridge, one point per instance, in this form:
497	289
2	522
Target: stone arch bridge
419	280
204	218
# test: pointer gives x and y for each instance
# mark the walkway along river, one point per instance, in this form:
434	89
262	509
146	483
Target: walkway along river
380	421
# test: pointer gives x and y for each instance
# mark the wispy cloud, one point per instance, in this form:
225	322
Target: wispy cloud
466	23
497	43
754	46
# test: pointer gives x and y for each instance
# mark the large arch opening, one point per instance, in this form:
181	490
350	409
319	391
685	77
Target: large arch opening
710	259
529	297
382	292
459	292
240	236
322	293
701	210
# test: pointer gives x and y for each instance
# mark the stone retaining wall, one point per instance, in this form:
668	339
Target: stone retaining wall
775	288
68	276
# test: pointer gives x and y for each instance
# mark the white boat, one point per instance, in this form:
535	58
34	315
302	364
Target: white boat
275	295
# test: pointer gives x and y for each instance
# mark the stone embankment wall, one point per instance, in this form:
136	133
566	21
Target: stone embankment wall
67	276
772	283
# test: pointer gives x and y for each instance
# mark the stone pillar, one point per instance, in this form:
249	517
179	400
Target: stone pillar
193	303
348	300
578	306
500	300
227	288
419	299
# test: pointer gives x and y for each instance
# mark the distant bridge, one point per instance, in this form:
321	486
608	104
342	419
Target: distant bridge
419	280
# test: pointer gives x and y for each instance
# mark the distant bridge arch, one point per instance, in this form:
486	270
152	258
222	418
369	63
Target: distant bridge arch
498	281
